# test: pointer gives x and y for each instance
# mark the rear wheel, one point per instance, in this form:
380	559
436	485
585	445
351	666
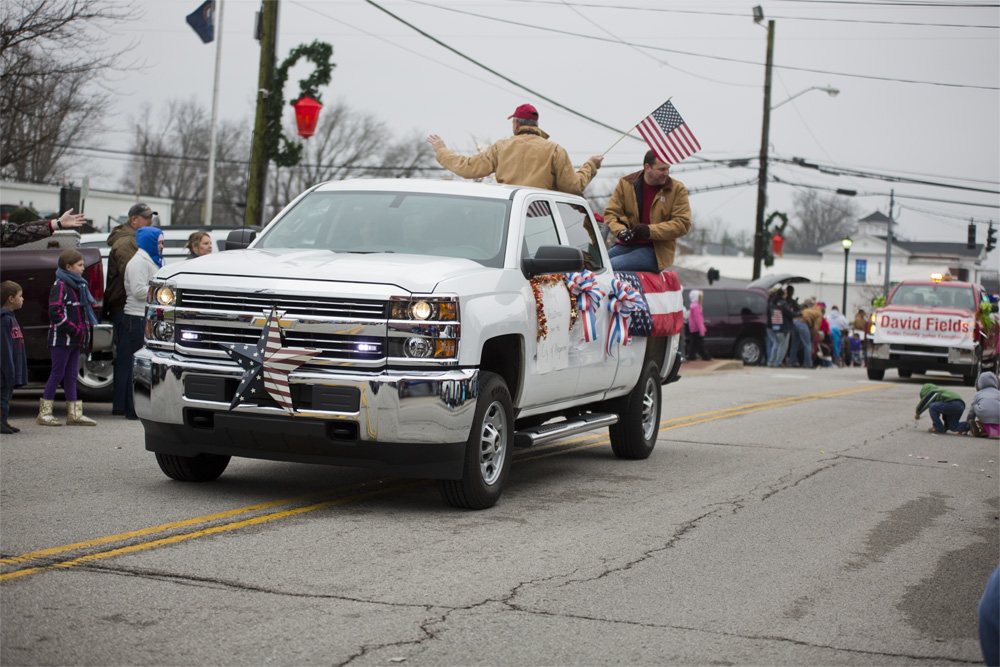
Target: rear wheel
750	350
95	382
201	468
487	452
969	379
634	436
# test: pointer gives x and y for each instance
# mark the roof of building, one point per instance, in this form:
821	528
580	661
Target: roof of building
939	249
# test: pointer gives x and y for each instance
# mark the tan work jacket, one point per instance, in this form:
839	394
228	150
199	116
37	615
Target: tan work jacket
669	217
528	158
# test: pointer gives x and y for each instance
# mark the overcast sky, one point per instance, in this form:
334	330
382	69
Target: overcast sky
918	87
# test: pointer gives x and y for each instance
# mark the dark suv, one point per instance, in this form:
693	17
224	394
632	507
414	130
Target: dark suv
735	322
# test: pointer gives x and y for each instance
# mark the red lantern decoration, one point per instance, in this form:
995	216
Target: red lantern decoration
777	243
306	115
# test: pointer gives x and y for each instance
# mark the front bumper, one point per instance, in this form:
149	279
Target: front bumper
954	360
407	423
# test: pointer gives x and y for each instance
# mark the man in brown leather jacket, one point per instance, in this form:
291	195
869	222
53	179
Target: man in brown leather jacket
648	212
527	158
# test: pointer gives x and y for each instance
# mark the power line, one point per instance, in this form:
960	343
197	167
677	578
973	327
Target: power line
885	194
871	77
839	171
502	76
595	5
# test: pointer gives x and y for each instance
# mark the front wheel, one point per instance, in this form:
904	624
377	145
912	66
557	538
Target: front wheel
903	373
200	468
876	373
487	452
634	436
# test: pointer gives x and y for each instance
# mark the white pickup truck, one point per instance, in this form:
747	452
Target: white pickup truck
418	328
929	325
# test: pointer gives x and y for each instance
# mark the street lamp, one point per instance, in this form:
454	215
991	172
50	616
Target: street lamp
832	92
758	239
847	243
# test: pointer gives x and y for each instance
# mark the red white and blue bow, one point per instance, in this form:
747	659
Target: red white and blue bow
623	300
584	285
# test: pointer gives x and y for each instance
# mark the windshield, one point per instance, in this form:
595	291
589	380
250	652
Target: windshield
939	294
395	222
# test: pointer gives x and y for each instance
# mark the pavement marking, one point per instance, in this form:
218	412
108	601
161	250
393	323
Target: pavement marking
553	449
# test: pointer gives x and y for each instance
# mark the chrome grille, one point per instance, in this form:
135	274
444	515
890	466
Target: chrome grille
292	306
211	318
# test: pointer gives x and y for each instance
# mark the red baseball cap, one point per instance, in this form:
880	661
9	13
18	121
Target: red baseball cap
524	112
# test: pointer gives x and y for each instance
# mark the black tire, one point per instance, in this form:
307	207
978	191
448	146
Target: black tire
903	373
751	351
876	373
488	452
969	379
201	468
95	381
634	436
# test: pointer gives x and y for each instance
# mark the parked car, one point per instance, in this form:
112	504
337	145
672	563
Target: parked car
735	322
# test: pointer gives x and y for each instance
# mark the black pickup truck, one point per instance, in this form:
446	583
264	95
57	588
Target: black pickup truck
33	267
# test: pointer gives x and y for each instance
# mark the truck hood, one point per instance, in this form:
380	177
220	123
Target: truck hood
413	273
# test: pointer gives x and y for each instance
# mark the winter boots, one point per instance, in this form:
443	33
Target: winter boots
45	417
74	414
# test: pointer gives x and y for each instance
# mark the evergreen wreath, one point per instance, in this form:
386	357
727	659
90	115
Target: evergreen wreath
279	149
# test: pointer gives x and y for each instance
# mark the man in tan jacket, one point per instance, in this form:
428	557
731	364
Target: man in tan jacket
527	158
648	212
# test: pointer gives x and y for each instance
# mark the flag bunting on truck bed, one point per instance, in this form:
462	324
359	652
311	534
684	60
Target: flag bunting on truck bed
663	311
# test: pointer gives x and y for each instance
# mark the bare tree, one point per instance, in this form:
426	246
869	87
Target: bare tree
348	144
51	65
174	163
821	219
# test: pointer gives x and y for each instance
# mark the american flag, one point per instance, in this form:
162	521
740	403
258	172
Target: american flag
663	312
537	209
266	366
668	135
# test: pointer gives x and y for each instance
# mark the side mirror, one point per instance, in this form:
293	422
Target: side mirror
553	259
240	238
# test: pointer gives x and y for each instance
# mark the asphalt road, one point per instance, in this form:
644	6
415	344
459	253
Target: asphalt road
785	517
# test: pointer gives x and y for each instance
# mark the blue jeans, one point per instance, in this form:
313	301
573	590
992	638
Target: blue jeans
952	413
135	330
801	336
779	350
633	258
123	362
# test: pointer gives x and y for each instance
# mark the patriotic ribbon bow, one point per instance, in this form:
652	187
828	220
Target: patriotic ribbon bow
584	285
621	303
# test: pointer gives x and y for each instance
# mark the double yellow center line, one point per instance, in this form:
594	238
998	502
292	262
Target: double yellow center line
135	542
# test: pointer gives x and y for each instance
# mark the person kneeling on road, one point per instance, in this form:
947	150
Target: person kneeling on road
941	403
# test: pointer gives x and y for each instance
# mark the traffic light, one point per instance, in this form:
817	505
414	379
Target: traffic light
972	236
991	238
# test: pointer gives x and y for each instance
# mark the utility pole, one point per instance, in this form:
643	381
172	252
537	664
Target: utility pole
257	187
888	244
758	238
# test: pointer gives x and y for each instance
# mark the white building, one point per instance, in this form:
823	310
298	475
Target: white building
104	208
864	264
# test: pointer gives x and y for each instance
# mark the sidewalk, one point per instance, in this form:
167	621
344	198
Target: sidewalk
699	367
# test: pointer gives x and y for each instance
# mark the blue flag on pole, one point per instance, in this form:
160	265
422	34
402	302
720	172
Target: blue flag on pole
203	21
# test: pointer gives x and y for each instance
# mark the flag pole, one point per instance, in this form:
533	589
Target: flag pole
210	185
619	139
633	127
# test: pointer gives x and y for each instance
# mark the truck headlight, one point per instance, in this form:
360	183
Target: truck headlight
423	327
160	302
